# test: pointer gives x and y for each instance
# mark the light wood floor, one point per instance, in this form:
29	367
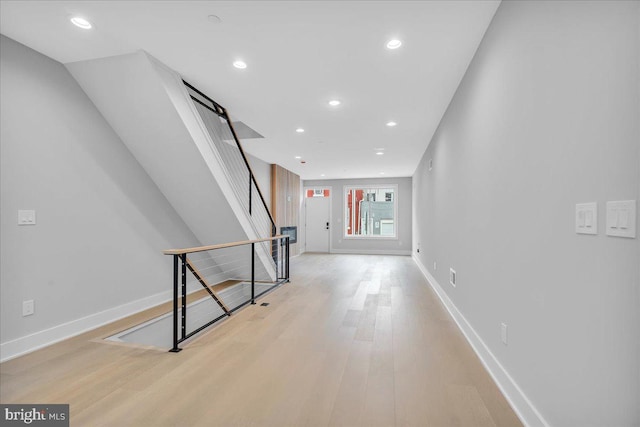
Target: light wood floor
352	341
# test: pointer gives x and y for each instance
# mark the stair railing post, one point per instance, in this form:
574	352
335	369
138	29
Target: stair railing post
184	295
287	260
283	251
274	244
175	348
253	273
279	252
250	185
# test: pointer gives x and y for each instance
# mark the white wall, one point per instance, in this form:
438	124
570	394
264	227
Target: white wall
101	222
547	116
262	174
399	246
150	110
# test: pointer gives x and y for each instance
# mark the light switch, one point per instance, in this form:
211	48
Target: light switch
26	217
587	218
621	218
612	218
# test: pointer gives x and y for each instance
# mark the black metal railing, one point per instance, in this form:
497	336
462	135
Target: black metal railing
231	278
226	140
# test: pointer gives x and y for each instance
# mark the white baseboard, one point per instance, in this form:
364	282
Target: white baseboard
27	344
370	251
522	406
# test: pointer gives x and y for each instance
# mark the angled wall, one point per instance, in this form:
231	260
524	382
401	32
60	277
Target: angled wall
547	116
95	253
149	108
133	93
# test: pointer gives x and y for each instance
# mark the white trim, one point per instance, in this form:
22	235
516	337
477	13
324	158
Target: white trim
520	403
29	343
371	251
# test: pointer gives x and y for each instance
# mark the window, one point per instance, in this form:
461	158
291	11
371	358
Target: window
370	211
318	192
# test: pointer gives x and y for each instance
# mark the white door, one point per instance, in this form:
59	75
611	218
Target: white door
317	224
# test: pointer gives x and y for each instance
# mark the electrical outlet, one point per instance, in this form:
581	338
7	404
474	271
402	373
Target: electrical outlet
503	333
28	308
435	265
452	277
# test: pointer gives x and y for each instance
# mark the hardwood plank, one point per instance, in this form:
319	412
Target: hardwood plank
367	324
350	400
352	318
469	407
379	408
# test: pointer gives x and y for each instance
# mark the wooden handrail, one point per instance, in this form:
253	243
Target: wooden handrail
219	246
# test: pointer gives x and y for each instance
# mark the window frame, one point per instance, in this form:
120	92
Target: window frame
345	204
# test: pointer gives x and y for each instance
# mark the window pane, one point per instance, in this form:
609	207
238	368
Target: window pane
318	192
370	212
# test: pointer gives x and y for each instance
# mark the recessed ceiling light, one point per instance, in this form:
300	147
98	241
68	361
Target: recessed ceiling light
240	64
300	130
394	44
321	174
381	173
380	153
78	21
298	157
391	124
334	102
214	18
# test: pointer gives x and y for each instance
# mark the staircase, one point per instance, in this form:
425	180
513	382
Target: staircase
187	145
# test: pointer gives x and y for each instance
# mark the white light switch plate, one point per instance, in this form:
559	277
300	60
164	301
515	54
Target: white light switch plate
621	218
26	217
587	218
28	308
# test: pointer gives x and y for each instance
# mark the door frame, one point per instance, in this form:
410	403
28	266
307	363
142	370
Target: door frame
304	197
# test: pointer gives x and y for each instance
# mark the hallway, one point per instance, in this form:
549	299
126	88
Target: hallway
352	340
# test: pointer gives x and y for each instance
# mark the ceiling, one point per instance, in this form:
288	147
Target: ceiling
299	56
